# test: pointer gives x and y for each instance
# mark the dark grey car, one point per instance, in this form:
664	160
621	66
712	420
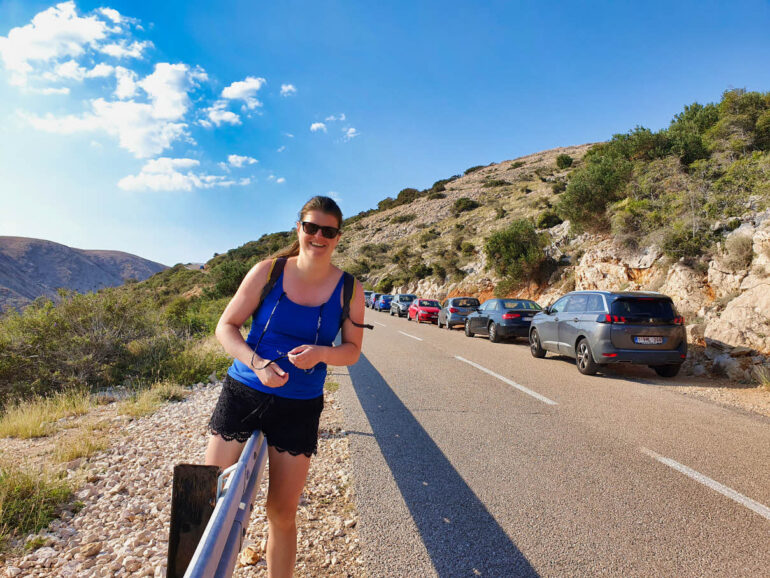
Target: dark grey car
400	303
602	327
455	310
502	318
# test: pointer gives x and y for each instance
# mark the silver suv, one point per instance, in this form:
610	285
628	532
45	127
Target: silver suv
602	327
400	303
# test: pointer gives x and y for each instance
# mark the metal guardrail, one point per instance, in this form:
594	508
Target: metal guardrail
222	539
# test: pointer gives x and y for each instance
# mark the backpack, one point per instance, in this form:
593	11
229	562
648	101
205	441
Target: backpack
348	290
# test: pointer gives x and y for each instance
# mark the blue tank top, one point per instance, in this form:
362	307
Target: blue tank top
291	325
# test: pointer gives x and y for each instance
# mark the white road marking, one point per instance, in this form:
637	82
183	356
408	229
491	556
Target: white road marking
380	324
412	336
760	509
509	382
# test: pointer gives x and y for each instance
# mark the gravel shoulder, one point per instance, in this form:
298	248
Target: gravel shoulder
122	528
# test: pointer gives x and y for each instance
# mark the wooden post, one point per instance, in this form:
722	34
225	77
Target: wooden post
193	498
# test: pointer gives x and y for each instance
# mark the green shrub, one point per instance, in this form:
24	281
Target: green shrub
385	285
464	204
495	183
403	218
467	248
500	212
558	187
428	236
474	169
359	268
420	270
515	252
434	195
547	219
517	164
563	161
439	271
227	278
682	242
738	252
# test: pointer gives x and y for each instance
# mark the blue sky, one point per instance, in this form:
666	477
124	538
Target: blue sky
175	130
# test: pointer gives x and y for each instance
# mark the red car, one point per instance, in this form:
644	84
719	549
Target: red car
424	310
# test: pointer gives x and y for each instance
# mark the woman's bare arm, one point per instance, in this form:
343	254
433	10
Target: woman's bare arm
236	313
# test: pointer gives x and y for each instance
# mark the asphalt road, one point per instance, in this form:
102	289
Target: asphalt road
541	471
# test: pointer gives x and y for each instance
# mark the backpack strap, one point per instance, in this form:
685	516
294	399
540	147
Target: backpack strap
276	268
348	292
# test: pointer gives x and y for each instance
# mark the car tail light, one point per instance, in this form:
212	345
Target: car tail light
609	354
453	310
607	318
679	320
511	315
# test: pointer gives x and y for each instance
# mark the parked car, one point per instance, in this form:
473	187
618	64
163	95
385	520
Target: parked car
423	310
383	303
372	299
367	294
455	310
502	318
602	327
400	303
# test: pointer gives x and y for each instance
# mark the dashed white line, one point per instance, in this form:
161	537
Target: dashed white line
380	324
760	509
509	382
412	336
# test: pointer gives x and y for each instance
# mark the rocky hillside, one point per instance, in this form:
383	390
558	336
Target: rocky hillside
30	268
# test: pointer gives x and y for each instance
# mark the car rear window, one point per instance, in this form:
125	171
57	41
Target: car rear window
469	302
428	303
644	308
406	298
531	305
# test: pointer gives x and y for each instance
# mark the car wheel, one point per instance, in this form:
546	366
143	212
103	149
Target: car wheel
438	322
449	327
534	345
468	331
494	337
585	359
666	370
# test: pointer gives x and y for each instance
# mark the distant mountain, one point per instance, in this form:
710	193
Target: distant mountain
30	268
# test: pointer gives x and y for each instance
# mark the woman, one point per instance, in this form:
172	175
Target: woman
275	383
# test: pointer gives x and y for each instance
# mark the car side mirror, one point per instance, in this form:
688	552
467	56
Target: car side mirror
547	310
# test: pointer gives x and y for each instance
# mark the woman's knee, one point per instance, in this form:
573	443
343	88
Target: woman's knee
281	513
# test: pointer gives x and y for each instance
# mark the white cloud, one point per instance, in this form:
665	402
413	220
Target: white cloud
333	118
350	133
126	78
71	70
288	134
218	115
281	148
63	90
238	160
280	180
334	195
122	49
112	14
53	34
245	90
167	88
288	89
316	126
167	174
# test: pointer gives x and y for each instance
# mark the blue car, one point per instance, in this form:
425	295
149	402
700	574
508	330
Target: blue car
383	303
502	318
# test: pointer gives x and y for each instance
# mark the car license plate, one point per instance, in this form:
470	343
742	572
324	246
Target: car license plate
647	340
527	318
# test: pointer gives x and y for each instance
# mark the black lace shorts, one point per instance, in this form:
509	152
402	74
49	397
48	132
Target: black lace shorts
289	425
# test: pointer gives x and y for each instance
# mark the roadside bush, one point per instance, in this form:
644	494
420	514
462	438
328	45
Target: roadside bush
359	268
563	161
682	242
227	278
516	252
464	204
385	285
421	270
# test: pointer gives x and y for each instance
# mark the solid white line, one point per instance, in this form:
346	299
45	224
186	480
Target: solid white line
509	382
412	336
380	324
760	509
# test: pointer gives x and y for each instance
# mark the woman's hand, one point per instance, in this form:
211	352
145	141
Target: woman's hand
307	356
272	375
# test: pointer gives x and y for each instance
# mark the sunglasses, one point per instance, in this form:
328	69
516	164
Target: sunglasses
312	229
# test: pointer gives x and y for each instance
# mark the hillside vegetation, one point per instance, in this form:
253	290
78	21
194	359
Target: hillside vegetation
679	188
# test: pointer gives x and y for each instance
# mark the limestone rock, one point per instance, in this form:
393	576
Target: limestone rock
250	555
686	288
745	321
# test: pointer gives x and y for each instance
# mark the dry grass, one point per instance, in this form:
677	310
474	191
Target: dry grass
762	376
84	445
28	502
38	417
148	401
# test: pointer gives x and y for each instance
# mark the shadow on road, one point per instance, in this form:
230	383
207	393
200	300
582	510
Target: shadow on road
460	535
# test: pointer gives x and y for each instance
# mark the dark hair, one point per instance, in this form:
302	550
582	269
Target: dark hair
318	203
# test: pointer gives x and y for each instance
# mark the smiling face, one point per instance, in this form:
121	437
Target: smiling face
317	244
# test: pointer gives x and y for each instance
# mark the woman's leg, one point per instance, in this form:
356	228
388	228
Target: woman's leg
288	474
222	453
